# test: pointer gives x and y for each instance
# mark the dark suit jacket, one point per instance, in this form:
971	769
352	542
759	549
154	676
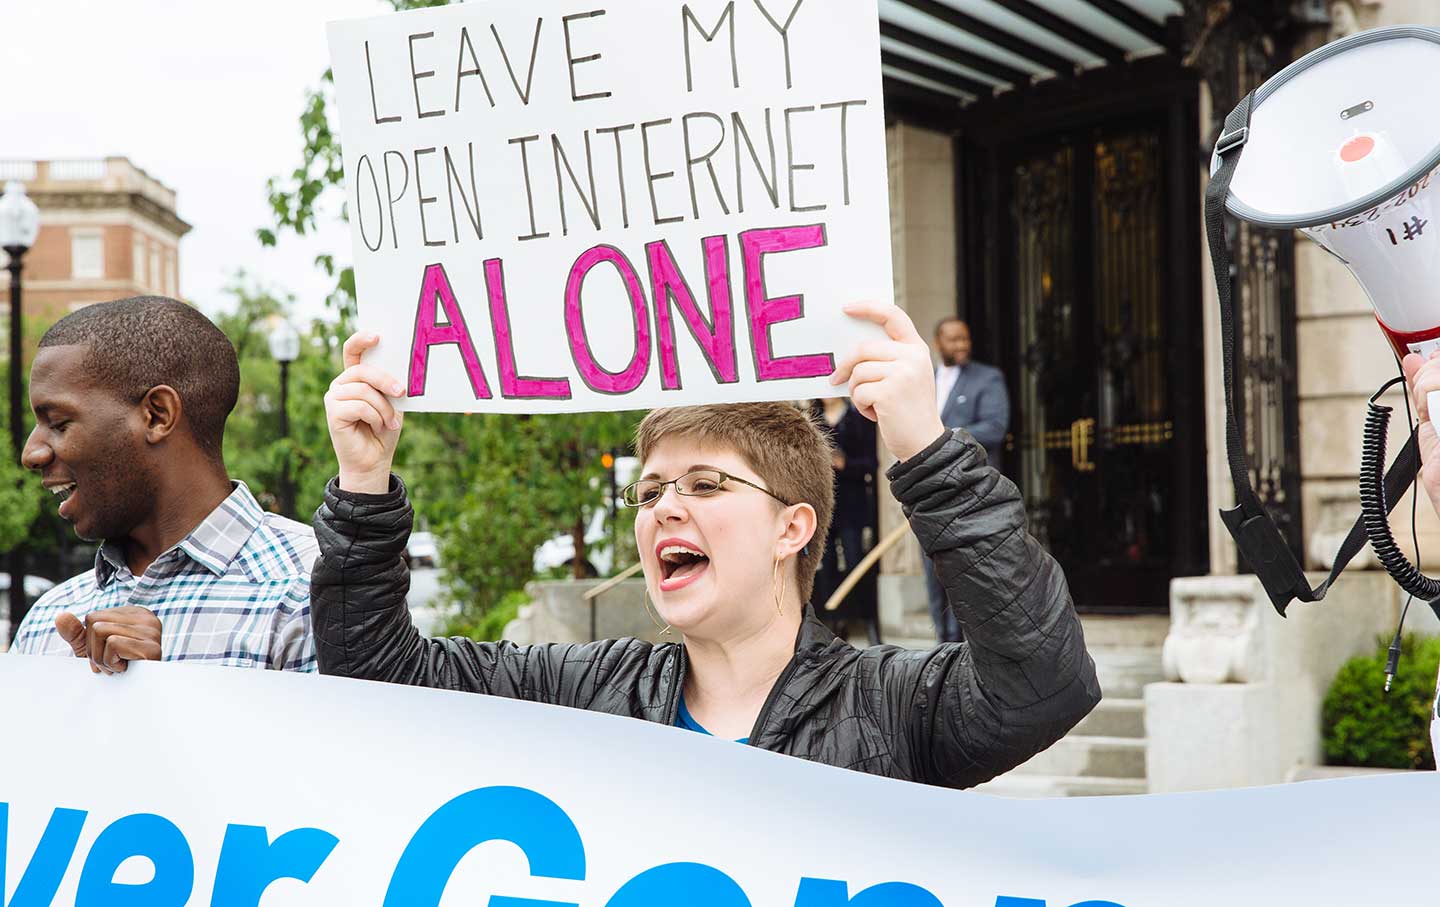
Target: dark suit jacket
853	436
980	404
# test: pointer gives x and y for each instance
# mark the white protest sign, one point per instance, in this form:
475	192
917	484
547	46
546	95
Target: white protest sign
181	784
559	205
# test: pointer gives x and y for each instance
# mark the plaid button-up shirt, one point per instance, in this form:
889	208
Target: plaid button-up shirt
236	592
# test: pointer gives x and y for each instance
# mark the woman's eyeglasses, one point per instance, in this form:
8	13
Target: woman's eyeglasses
698	484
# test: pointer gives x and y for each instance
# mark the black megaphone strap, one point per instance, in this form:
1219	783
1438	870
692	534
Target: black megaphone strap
1256	535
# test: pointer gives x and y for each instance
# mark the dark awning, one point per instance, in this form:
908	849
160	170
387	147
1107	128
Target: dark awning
954	52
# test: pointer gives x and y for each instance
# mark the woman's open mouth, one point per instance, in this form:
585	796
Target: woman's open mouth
681	563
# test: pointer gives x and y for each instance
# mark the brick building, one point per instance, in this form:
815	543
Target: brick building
107	230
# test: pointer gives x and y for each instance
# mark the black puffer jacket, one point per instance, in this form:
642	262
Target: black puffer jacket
956	715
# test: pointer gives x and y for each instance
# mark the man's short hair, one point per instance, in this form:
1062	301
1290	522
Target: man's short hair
785	447
139	343
949	319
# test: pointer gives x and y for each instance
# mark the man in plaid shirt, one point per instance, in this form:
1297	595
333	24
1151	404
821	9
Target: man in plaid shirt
130	402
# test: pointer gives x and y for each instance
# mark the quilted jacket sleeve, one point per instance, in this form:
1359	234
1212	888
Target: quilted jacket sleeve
1023	677
362	625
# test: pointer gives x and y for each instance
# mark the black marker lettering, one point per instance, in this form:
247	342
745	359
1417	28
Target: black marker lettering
534	53
369	71
415	77
791	167
529	191
592	204
360	207
424	199
452	182
691	160
772	185
575	61
651	177
390	194
620	169
460	72
784	31
687	18
844	108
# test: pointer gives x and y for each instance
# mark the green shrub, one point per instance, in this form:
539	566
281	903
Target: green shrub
490	625
1365	726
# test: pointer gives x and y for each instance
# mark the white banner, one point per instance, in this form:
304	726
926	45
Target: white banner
175	784
563	206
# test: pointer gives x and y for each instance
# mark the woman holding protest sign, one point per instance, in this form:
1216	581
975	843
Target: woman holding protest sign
733	503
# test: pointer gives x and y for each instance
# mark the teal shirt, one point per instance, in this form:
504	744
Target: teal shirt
686	721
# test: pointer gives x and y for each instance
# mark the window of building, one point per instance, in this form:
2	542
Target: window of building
153	282
87	254
137	262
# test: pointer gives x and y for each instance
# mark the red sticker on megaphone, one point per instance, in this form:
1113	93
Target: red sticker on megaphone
1357	149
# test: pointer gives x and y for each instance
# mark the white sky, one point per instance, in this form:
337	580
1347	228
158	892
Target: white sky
204	96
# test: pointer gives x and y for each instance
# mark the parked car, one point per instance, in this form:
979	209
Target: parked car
35	586
559	551
421	550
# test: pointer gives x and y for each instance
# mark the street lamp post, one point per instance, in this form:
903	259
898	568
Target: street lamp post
285	349
19	226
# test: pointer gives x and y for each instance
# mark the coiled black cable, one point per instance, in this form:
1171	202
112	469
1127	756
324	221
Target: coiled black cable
1373	505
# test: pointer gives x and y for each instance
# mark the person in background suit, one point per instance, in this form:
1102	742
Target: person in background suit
972	396
855	461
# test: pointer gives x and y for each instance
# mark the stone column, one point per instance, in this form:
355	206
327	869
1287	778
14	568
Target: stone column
923	242
1344	358
1217	471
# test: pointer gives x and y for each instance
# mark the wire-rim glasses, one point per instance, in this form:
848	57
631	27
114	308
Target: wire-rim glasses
697	484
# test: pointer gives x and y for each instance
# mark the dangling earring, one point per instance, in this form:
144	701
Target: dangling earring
777	586
653	613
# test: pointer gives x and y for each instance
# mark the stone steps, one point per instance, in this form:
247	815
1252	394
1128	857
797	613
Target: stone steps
1104	755
1090	757
1126	651
1114	718
1036	787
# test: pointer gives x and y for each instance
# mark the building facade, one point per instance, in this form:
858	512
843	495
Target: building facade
1048	163
107	230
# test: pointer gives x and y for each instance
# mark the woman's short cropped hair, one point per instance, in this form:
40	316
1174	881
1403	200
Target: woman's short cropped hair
782	443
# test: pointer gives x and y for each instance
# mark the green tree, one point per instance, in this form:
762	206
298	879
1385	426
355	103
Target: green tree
254	450
20	496
27	515
495	487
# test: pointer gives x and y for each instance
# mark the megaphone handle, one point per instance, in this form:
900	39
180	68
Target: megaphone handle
1432	404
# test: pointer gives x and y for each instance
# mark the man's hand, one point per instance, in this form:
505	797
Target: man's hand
1423	376
364	424
892	381
113	637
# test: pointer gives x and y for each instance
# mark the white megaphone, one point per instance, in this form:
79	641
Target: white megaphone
1344	145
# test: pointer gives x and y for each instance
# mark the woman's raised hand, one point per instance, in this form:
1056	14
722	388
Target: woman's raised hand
364	423
892	381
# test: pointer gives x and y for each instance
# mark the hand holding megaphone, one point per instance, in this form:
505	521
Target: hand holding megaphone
1423	377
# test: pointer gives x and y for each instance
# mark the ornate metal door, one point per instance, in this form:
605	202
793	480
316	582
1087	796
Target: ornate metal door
1094	436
